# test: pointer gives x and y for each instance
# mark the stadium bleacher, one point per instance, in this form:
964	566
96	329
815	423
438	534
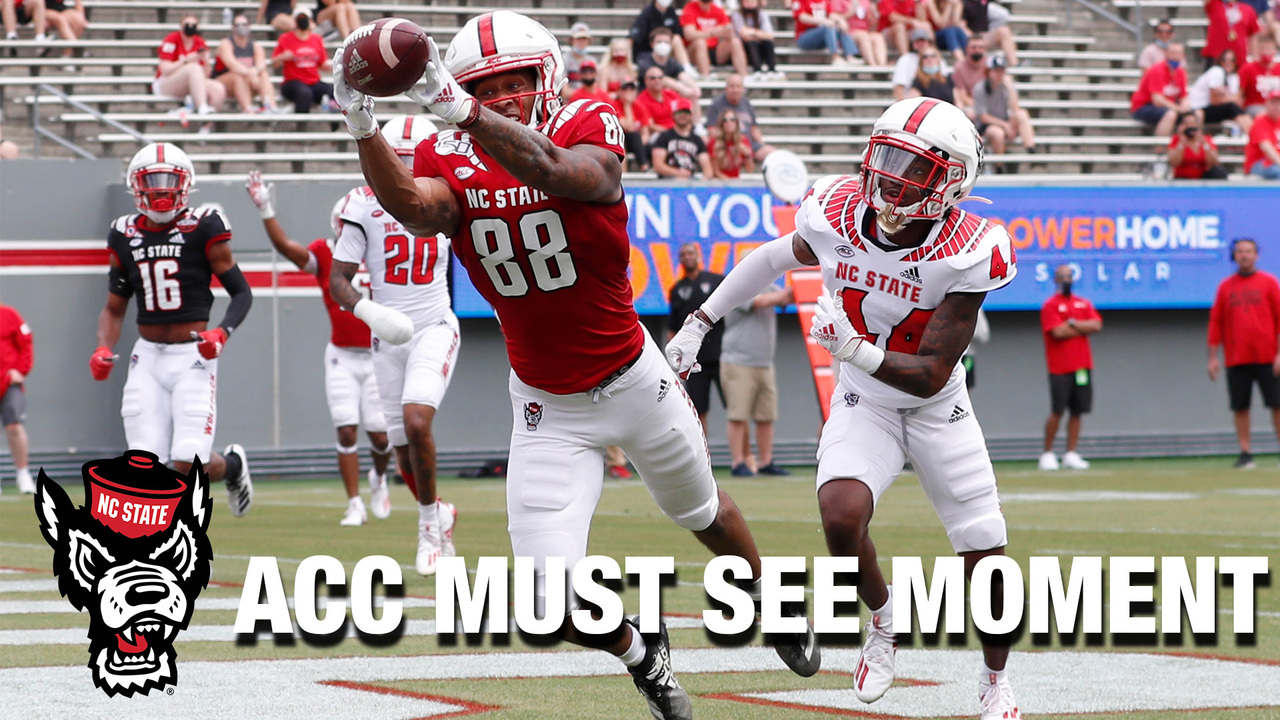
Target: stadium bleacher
1076	85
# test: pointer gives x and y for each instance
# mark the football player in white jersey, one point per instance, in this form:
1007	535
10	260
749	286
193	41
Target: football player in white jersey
415	333
905	273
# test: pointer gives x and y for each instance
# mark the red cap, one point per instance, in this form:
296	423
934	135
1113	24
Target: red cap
133	494
683	104
588	63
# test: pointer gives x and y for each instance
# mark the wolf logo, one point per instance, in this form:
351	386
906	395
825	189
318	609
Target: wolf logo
135	555
532	415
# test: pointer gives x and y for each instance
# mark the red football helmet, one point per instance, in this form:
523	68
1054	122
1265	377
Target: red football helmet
160	176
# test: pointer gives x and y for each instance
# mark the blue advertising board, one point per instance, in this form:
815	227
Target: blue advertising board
1131	247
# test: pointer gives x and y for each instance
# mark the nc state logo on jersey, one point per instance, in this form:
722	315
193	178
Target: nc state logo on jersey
456	143
135	556
532	415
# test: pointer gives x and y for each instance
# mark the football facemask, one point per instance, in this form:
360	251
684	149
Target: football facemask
161	193
904	182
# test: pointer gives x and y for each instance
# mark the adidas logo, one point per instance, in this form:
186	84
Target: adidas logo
663	388
958	414
355	63
912	274
197	365
445	95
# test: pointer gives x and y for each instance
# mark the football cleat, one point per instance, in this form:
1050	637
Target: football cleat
448	515
379	495
355	516
26	485
996	698
1072	461
239	488
1048	461
875	671
428	548
800	651
655	680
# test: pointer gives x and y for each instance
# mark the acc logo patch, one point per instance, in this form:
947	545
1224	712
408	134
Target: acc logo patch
135	556
844	251
532	415
851	399
462	173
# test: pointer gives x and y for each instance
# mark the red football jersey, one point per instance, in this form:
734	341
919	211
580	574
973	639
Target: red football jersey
348	331
554	269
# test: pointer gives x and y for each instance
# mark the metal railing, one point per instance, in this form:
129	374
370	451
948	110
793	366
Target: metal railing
1134	28
38	130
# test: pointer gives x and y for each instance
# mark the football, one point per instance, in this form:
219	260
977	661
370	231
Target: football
386	57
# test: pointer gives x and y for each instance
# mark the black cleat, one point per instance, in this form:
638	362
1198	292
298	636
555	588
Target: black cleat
239	488
655	680
800	651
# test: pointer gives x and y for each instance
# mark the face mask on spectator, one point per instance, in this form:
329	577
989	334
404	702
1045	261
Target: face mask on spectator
1175	64
662	49
1065	288
241	30
662	4
190	29
932	69
1162	44
304	22
976	57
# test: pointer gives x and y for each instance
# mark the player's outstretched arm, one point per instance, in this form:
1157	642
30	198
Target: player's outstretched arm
945	338
263	197
425	206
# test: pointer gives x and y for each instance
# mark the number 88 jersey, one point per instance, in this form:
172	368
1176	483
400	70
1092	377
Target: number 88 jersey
554	269
405	273
890	293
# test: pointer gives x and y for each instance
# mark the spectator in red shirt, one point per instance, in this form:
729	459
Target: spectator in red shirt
1231	24
898	17
1162	92
1245	322
15	365
1262	154
818	28
590	90
184	68
657	101
635	123
1067	321
1193	155
302	55
708	33
1261	76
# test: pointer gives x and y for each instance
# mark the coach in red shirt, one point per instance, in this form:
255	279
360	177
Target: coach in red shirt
1245	321
1067	321
15	365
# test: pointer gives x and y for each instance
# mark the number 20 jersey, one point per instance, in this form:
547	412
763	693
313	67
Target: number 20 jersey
554	269
890	294
405	273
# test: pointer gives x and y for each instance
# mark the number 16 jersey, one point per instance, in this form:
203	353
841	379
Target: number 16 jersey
405	273
890	293
554	269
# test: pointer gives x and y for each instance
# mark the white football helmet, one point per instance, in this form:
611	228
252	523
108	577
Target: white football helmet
923	145
502	41
404	132
160	176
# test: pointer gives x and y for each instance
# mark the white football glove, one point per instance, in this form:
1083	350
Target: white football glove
441	94
357	108
261	193
387	323
682	350
832	330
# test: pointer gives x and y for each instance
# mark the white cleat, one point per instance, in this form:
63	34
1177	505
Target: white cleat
379	495
26	485
875	671
355	516
448	519
239	488
1048	461
1072	461
428	548
996	698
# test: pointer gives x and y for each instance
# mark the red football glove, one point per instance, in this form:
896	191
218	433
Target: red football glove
101	362
211	342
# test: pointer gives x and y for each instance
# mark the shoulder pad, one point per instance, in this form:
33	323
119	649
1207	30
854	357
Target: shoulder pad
122	223
979	251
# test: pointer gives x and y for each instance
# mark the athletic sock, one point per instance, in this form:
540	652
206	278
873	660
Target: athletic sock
884	615
234	467
428	515
634	652
992	676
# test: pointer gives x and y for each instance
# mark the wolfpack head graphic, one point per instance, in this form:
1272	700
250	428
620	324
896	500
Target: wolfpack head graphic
135	555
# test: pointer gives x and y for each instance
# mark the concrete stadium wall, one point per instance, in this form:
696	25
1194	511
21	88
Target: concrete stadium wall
1152	394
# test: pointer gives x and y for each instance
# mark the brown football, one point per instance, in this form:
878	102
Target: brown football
386	57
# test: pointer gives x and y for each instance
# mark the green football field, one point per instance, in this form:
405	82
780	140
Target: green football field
1193	507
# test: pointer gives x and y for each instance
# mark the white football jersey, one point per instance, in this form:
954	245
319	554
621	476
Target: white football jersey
890	294
405	273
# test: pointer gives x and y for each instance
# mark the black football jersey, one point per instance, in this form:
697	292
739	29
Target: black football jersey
168	270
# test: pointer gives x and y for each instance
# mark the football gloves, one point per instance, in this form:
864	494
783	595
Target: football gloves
387	323
101	362
261	194
442	95
211	342
682	350
357	108
832	330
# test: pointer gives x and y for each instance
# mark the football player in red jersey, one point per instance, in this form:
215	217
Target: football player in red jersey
166	255
530	193
349	385
907	272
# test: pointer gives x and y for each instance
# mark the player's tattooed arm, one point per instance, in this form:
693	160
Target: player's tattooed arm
340	287
425	206
945	338
582	172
